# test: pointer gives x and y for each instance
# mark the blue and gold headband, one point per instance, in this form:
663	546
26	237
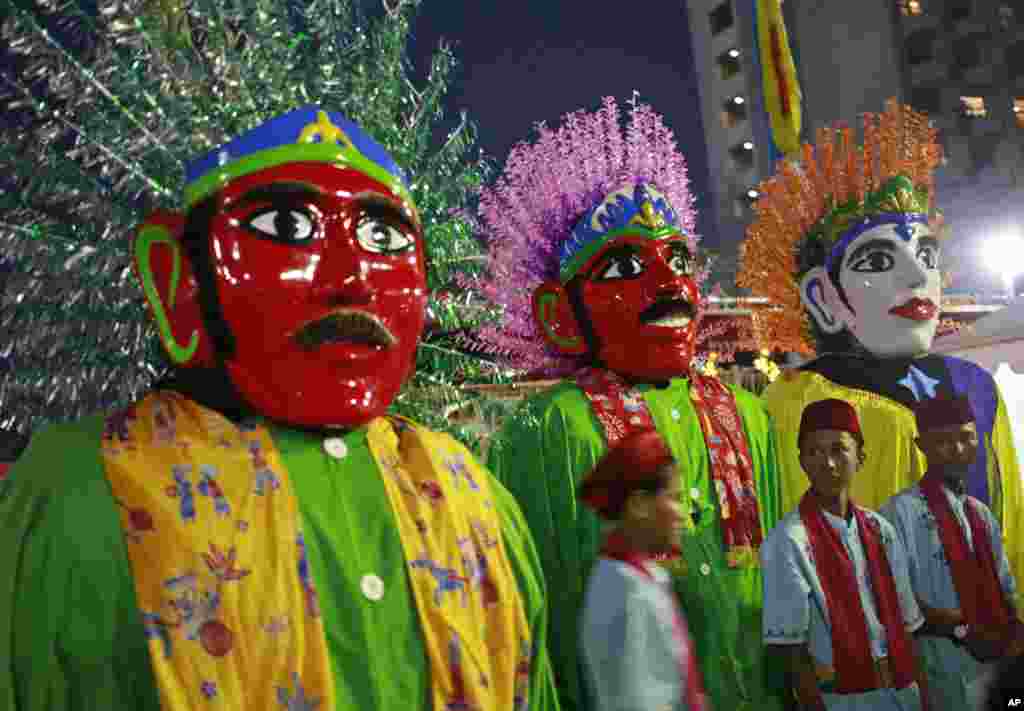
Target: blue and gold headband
305	134
631	209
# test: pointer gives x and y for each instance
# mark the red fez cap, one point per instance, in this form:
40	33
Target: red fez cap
943	412
829	414
630	465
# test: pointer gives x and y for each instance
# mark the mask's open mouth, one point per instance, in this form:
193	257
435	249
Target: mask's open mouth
671	313
345	326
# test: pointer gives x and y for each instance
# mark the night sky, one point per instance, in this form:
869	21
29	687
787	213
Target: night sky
524	61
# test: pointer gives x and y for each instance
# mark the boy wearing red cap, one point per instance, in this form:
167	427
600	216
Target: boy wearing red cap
634	642
958	566
837	595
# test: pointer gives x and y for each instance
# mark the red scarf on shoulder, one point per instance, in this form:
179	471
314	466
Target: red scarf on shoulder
621	410
851	644
617	548
975	577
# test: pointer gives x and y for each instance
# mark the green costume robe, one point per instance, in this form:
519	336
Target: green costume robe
543	451
71	634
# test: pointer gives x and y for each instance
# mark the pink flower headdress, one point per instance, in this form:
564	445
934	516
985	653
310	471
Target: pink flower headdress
546	187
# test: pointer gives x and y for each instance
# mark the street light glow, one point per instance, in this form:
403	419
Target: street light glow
734	53
753	194
1005	256
738	100
748	145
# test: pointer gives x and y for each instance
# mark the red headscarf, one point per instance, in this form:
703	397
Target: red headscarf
632	464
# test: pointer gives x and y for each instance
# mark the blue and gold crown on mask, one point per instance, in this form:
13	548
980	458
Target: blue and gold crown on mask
309	133
627	210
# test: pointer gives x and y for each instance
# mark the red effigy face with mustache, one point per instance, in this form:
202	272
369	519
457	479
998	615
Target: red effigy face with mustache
321	281
641	298
626	298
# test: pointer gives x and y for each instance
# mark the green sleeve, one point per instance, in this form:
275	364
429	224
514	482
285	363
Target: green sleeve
538	461
530	576
70	633
761	439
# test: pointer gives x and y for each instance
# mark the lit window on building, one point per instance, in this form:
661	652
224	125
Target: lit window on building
911	7
745	200
734	111
973	106
743	154
721	18
729	63
1018	111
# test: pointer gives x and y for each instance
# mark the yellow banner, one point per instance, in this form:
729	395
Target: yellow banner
782	93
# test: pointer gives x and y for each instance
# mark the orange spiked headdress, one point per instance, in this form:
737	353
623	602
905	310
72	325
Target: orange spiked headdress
809	205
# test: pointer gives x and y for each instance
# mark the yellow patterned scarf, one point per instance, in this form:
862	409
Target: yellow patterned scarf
219	563
475	628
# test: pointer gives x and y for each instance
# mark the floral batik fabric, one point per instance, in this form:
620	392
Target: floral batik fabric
474	624
216	552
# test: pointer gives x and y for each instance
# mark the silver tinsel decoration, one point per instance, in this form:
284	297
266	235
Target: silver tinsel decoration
103	106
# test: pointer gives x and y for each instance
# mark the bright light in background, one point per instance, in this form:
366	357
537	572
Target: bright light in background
748	145
734	53
1005	256
753	194
738	100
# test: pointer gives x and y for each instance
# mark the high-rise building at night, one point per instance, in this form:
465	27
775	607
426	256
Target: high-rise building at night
960	61
732	114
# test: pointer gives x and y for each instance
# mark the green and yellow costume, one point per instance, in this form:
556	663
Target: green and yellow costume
553	440
72	527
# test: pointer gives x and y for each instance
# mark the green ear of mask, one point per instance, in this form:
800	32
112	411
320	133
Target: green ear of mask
148	237
547	304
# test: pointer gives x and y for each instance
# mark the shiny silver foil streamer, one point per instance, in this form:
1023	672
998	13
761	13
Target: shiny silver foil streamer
100	110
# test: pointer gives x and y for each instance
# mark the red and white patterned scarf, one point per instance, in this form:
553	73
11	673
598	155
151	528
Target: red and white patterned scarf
620	408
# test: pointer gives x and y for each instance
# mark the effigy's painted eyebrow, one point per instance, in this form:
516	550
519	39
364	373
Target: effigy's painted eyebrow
385	208
876	243
619	250
602	256
275	192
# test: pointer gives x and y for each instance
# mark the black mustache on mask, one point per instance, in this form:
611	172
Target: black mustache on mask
345	326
